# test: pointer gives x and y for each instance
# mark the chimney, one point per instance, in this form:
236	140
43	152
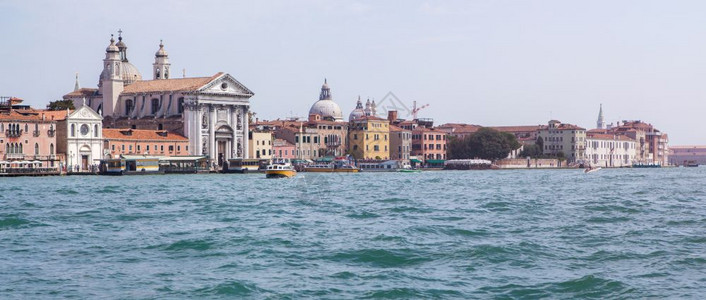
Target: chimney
392	116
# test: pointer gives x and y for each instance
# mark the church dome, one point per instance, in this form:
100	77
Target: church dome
326	107
129	73
357	112
161	52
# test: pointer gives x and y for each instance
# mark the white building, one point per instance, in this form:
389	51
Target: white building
80	137
210	111
609	150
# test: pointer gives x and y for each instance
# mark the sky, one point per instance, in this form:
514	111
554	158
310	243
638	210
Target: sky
486	62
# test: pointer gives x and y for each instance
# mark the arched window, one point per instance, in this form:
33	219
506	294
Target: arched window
73	130
20	149
181	105
166	73
7	148
26	127
95	130
128	106
36	149
156	73
51	149
155	105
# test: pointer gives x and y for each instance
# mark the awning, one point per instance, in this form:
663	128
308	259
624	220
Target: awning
414	160
325	159
435	161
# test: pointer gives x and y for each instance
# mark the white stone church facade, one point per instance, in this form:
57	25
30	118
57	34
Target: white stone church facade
211	111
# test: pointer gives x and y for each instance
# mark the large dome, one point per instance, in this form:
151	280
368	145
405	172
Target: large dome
357	112
327	109
129	73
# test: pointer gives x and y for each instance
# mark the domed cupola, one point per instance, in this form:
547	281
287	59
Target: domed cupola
160	67
326	107
357	112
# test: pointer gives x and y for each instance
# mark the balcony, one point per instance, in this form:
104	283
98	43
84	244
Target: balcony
13	156
13	133
35	133
51	132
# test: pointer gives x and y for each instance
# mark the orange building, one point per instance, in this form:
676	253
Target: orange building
142	141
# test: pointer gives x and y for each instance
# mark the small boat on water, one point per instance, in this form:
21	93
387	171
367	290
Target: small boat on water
591	170
409	170
280	169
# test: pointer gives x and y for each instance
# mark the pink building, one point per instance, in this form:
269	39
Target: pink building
429	144
283	149
28	135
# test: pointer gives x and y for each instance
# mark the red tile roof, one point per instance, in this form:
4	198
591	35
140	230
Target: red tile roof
169	85
83	92
35	115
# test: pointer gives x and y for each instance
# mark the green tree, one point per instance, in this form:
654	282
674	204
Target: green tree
485	143
61	105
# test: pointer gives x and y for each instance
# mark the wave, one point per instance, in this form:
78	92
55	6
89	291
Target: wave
588	286
382	258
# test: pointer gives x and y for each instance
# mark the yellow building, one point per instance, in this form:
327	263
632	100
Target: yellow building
369	138
260	144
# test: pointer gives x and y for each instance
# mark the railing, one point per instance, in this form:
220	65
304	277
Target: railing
10	156
13	133
51	132
35	133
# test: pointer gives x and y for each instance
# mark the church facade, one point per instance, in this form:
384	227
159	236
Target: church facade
212	111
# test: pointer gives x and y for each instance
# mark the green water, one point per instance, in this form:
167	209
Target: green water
460	234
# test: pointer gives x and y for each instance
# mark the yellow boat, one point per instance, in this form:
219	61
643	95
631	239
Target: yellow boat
280	170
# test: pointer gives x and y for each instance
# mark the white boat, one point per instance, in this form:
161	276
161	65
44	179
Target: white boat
591	170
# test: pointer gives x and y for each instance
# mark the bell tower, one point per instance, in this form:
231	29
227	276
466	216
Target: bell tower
111	81
161	65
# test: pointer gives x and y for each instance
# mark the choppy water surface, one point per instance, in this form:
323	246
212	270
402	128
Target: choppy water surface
463	234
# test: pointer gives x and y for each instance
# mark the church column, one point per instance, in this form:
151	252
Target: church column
234	125
212	133
246	131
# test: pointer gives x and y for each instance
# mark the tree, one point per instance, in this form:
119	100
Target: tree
486	143
61	105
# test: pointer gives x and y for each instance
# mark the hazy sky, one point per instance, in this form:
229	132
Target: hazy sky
480	62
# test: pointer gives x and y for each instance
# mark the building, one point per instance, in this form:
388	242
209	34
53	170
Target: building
400	143
683	155
260	144
458	130
129	141
211	111
565	140
312	139
609	150
283	149
80	138
368	138
27	134
429	144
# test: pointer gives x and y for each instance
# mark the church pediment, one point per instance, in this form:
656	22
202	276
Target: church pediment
85	113
227	85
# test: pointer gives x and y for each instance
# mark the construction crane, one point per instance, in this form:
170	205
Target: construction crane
416	109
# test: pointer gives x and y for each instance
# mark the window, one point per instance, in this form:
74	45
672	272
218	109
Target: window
95	130
73	130
171	148
113	147
178	148
138	148
51	148
180	105
161	148
147	148
355	136
122	148
155	105
376	148
130	148
36	149
129	105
